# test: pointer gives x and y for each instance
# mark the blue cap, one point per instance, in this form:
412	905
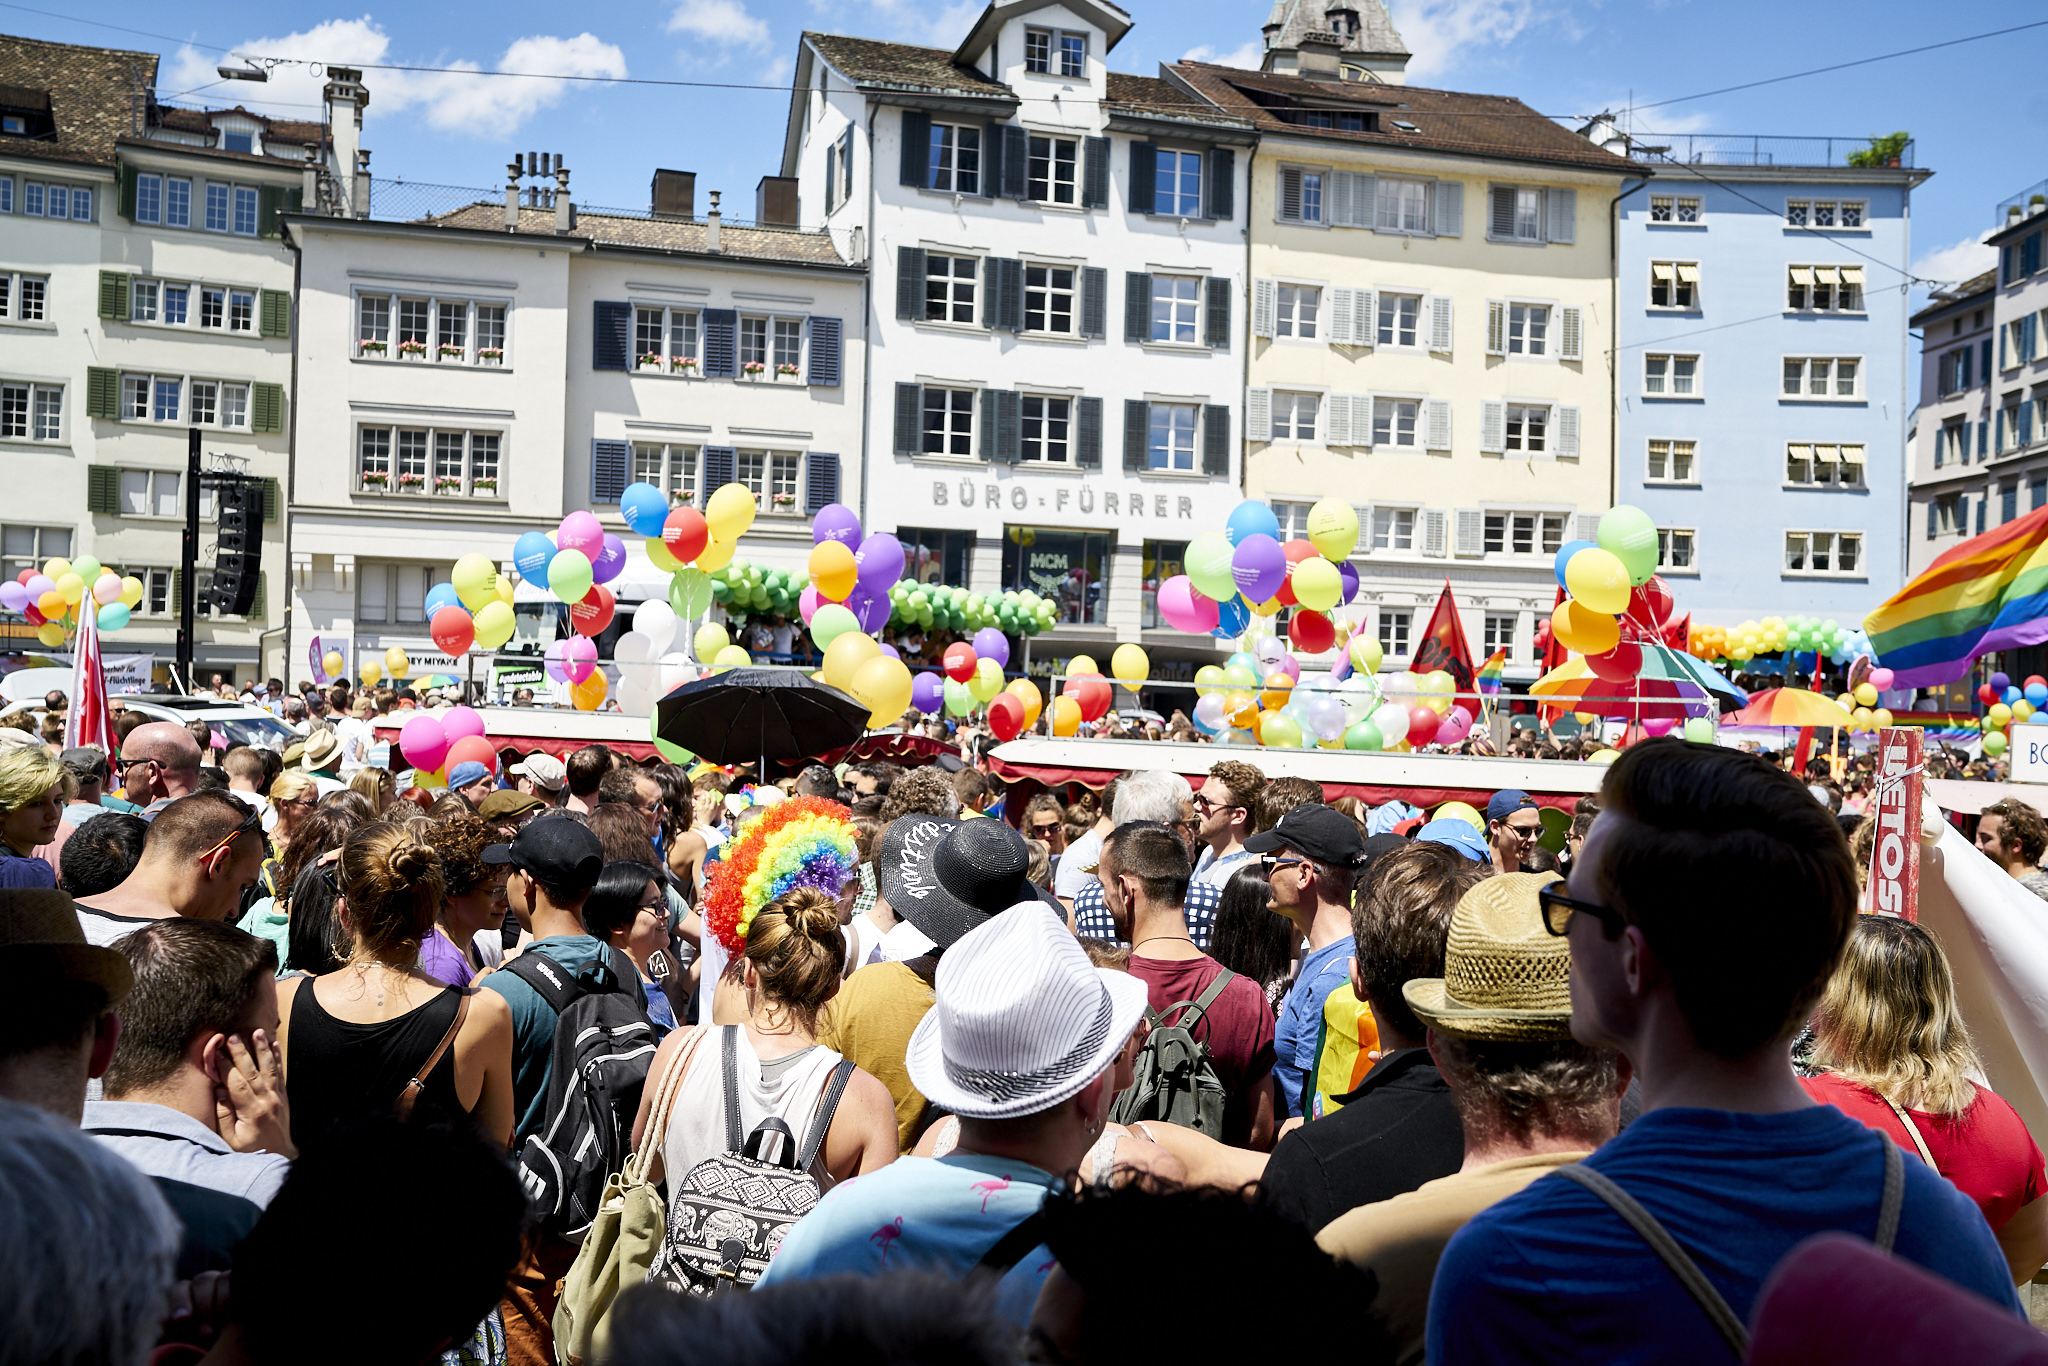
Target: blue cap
1507	802
1458	834
465	773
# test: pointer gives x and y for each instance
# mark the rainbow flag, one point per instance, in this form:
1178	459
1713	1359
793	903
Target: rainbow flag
1488	677
1989	593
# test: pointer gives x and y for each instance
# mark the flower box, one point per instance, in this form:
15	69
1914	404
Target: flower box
411	483
786	372
681	498
649	362
446	483
783	502
491	355
453	352
374	479
489	486
686	365
412	350
370	347
752	369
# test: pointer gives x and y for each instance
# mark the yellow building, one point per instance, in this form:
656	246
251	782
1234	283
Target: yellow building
1431	315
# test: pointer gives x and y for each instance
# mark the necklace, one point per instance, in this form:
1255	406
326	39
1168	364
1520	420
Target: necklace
1150	937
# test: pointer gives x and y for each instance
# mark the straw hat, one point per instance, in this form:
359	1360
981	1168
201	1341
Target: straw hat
323	747
1506	978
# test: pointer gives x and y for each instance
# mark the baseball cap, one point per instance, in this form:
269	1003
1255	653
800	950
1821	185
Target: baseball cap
1318	831
1507	802
557	851
467	772
1456	833
506	802
545	769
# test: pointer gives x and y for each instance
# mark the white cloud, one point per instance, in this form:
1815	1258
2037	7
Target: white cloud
1247	57
1957	262
725	22
908	21
1440	32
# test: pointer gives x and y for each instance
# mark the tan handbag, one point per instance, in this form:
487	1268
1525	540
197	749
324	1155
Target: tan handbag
625	1236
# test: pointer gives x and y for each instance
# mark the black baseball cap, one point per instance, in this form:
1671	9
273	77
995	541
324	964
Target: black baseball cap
557	851
1324	834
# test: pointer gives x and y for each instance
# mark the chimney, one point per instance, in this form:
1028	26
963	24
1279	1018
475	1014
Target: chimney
775	202
711	224
674	194
512	194
345	97
565	212
1318	60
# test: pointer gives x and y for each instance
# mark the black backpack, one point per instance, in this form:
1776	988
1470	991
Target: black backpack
1176	1077
603	1048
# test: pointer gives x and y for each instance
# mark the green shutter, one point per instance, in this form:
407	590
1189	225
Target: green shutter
269	500
256	606
114	295
127	193
266	408
276	313
294	200
269	207
103	488
102	392
177	581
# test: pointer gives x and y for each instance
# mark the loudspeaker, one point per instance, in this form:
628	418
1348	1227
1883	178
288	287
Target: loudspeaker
239	558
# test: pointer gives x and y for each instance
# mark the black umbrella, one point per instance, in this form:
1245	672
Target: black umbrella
743	715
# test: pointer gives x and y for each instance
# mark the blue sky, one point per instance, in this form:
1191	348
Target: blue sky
1974	109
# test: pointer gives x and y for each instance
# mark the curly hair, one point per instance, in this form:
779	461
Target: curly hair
2020	829
802	842
461	844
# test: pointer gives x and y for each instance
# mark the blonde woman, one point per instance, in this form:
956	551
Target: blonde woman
32	788
378	785
1899	1059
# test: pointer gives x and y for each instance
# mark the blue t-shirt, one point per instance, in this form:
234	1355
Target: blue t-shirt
1301	1018
1554	1274
25	872
533	1022
936	1214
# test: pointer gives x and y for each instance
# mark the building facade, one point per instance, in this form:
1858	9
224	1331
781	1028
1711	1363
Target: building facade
1056	325
1948	476
2018	398
1761	377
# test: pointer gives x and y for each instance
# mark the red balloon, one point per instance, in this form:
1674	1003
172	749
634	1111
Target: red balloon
960	660
1311	632
1091	693
1423	724
453	631
470	747
33	613
594	612
1296	551
1987	694
685	534
1006	716
1542	641
1651	603
1619	664
25	575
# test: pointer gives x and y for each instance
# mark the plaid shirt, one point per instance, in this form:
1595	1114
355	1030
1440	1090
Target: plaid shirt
1091	915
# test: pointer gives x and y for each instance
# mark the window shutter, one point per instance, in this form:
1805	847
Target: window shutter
1342	317
992	180
1561	210
1589	526
1265	302
114	295
1433	533
1566	444
1220	170
1016	154
1343	186
1216	438
276	311
1088	433
1496	328
269	208
103	488
721	467
988	425
1258	414
1493	427
177	584
1931	520
721	342
1009	425
1440	322
824	357
991	292
608	470
1137	306
1144	174
266	408
1469	535
259	604
1437	424
1568	330
909	419
1012	271
1217	330
1095	173
1503	209
610	333
1337	421
917	148
910	269
269	499
821	481
102	392
1094	302
1290	195
1137	427
1450	208
125	194
1965	447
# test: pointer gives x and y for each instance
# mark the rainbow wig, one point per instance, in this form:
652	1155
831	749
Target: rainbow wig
803	842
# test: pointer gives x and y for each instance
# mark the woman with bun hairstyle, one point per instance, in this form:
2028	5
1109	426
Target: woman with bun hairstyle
379	1035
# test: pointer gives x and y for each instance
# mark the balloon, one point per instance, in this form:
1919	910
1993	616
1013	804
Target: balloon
73	589
531	554
1999	681
371	672
1090	692
1651	603
1025	691
1598	580
2036	692
1232	617
453	631
990	643
1619	664
105	589
709	640
879	562
569	575
588	695
1454	727
1882	718
836	522
845	656
1208	559
1578	627
684	535
332	663
715	555
39	584
52	604
1994	744
1130	666
1327	717
581	531
1333	528
463	723
987	680
1423	724
658	556
882	685
1066	716
593	612
611	561
830	622
1317	585
1258	566
959	702
1251	518
1366	654
13	596
729	512
422	741
1630	536
475	580
1280	731
1999	716
960	660
470	749
87	568
928	692
50	634
833	570
657	621
56	567
644	507
398	666
579	660
113	616
1867	695
1006	716
1311	632
1184	608
1208	713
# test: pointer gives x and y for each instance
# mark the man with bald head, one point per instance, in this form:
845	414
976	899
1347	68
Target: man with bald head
159	764
202	852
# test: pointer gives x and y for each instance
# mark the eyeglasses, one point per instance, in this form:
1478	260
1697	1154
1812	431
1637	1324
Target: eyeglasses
1269	865
1558	910
1523	832
121	766
1046	831
659	907
252	821
1204	804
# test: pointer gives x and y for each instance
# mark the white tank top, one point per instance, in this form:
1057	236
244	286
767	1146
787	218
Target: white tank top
787	1087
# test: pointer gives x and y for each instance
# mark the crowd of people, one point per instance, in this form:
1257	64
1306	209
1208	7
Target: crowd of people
911	1065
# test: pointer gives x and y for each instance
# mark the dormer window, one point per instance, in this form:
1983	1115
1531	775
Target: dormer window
13	124
238	142
1055	52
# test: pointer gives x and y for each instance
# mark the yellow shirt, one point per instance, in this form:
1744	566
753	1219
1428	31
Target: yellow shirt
870	1021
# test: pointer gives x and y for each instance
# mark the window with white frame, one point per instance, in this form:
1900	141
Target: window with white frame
1527	428
450	330
1055	52
1170	444
1394	422
1399	317
1528	329
955	158
1810	464
753	345
1498	633
660	335
1294	415
1952	445
772	476
787	338
1049	299
948	421
395	594
154	493
1401	205
1674	284
1823	552
670	468
1300	195
245	211
1826	213
47	199
839	171
1824	289
24	298
1671	462
1823	377
31	412
1394	628
1522	533
1515	214
949	283
1675	552
1176	307
1946	515
1295	311
1177	183
1045	428
446	462
1669	208
216	208
1049	168
1293	520
1671	376
31	547
219	403
1393	528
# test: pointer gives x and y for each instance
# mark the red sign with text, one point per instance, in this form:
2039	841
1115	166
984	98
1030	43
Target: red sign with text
1895	855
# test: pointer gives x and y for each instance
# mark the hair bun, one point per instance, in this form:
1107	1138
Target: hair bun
412	860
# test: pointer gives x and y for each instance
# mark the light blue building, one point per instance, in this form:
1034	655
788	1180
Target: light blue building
1761	370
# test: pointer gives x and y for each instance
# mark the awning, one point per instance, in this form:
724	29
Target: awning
1852	455
1827	455
1826	275
1688	272
1799	452
1852	275
1802	275
1662	270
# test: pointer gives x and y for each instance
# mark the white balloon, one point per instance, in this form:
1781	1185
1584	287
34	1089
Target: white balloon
632	648
656	621
676	670
633	699
1392	721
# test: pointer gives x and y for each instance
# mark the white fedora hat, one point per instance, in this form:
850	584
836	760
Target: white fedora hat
1023	1020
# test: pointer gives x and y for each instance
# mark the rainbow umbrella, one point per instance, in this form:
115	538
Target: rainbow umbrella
1790	707
1670	686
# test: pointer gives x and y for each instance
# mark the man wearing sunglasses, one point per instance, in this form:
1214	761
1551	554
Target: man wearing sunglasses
1227	808
202	852
159	763
1513	825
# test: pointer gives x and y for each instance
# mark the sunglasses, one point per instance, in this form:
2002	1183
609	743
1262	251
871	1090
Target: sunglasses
252	821
1269	865
121	766
1204	804
1558	910
1046	831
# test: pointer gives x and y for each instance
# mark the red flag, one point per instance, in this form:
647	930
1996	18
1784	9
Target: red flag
87	721
1554	656
1443	644
1678	632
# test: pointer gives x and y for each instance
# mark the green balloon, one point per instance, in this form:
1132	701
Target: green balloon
959	701
690	592
1699	730
674	753
831	622
1631	537
1207	561
1366	736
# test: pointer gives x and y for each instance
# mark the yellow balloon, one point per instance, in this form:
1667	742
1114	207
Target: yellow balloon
845	656
1461	811
494	625
1867	695
732	657
1579	627
1848	701
1025	691
709	640
475	580
1603	756
371	672
1130	665
1366	654
504	590
55	568
658	556
131	590
72	587
715	555
1332	530
332	663
833	571
1318	585
1997	717
396	663
2022	710
1066	716
50	634
987	681
1597	579
882	685
1083	664
52	604
589	694
1270	607
1882	718
729	513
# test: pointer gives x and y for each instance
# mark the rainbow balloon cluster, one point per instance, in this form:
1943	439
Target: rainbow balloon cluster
802	842
1246	571
1256	698
2005	703
971	675
1775	635
55	598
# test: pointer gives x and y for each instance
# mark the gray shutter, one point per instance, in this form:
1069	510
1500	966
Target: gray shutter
1095	173
103	488
988	425
1144	175
1931	521
1016	156
1437	424
821	481
1220	170
991	170
1137	428
1564	443
1341	319
1589	526
610	335
1217	329
1450	208
991	292
917	147
1010	306
1493	426
721	467
1343	194
1288	201
1433	538
1568	331
824	357
1009	425
1265	302
1088	433
1215	438
721	342
909	419
1503	224
1439	322
1337	422
1094	302
1137	306
1561	214
608	463
1496	327
910	274
1468	536
1258	414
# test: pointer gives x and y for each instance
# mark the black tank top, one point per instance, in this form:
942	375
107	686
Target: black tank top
342	1071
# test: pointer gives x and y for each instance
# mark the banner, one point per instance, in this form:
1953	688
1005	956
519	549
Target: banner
1443	646
1895	854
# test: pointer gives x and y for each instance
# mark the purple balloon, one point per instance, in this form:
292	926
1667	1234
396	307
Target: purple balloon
879	562
1999	682
991	643
611	561
1349	573
552	662
891	651
928	692
1258	566
13	596
835	522
871	610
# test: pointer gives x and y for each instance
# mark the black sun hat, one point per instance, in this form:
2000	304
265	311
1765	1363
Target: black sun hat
945	877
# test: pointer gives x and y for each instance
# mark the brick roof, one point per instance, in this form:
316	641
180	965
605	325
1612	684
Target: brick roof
303	132
1447	122
875	65
753	244
1151	95
92	94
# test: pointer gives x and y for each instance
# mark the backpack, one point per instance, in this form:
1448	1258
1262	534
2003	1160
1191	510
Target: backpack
603	1048
727	1215
1176	1078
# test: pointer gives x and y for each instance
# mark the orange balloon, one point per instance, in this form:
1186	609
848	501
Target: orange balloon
1240	709
1279	691
1066	716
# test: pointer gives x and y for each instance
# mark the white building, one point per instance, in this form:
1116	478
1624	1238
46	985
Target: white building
1059	253
477	375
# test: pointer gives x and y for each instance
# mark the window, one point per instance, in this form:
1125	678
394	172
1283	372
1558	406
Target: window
1393	528
1528	329
241	311
1675	549
1945	515
31	412
753	344
1671	376
152	493
1674	284
1176	304
1498	633
772	476
1296	316
1823	552
1822	377
1825	213
1527	428
949	287
1952	445
216	208
1824	289
216	403
149	199
1665	208
1398	316
450	331
212	306
373	320
789	345
1523	533
42	200
451	321
1954	370
1171	442
659	334
1049	299
31	547
389	594
1670	462
490	332
956	158
1049	169
445	463
1394	632
1069	567
1293	520
1162	560
948	421
245	211
2023	333
1301	195
935	555
1177	184
1046	428
238	142
1050	52
135	397
672	469
166	398
1294	415
177	202
412	461
1402	206
1393	421
25	298
1516	214
1824	465
176	299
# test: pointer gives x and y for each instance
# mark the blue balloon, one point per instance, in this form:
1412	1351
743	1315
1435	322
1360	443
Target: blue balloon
1564	557
644	507
2012	695
1232	618
1249	518
442	595
2037	694
530	556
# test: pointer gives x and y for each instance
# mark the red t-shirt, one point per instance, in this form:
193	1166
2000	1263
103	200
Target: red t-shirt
1988	1154
1238	1028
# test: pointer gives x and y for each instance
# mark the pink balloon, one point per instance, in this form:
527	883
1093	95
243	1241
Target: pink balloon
459	723
581	531
1659	725
808	603
579	657
1290	666
1881	679
423	742
1185	607
1456	726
